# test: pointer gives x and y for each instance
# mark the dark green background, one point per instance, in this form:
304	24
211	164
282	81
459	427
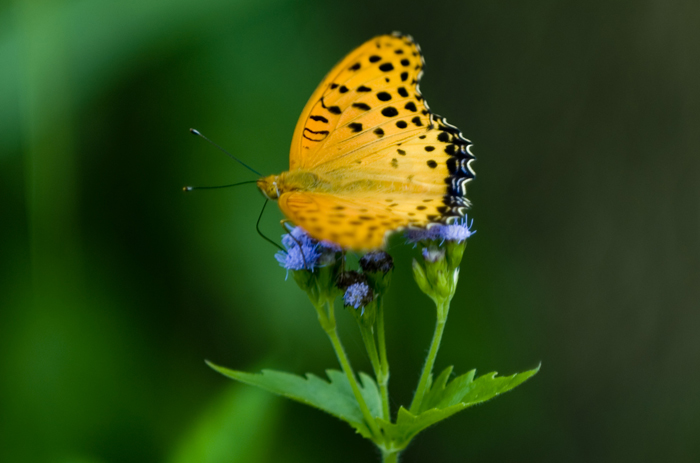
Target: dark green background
115	286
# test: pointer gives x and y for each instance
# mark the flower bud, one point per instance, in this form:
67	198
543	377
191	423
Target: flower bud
434	277
378	267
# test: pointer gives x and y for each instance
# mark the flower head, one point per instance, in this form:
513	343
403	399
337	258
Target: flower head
358	295
357	292
456	232
303	252
416	235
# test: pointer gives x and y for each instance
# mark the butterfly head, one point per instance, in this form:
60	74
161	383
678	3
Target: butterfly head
268	186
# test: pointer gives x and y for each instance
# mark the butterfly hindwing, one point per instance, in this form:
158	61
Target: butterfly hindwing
360	221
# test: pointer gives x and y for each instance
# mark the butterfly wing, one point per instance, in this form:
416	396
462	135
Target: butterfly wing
368	128
357	221
373	83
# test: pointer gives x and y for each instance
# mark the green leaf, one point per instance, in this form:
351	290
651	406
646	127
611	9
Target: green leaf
444	400
443	395
334	397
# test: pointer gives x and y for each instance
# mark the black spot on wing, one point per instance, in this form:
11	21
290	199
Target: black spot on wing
362	106
355	126
315	136
362	88
319	119
390	111
386	67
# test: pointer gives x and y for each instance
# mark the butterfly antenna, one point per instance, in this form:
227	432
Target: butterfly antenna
190	188
199	134
257	227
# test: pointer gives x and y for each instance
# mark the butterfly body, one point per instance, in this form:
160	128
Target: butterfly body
368	156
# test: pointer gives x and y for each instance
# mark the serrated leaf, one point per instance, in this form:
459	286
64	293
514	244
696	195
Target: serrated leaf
334	397
459	394
435	388
442	395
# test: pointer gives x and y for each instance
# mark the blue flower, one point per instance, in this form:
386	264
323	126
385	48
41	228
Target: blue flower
456	232
302	251
358	295
432	254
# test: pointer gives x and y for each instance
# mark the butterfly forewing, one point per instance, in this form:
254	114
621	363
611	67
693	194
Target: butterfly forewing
370	99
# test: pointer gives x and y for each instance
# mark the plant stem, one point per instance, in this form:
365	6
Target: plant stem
383	361
442	309
371	346
332	333
392	457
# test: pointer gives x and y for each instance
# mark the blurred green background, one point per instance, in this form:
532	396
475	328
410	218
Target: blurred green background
115	286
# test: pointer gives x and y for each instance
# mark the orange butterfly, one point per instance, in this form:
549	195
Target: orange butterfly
368	157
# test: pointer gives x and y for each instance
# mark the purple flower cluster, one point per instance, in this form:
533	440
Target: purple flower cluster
357	295
302	251
457	232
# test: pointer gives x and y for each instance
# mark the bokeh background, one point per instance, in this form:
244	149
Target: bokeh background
115	286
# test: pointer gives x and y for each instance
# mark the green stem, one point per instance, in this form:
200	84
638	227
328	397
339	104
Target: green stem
392	457
442	309
329	327
383	361
371	346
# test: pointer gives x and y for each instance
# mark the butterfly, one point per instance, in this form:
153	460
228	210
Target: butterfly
368	157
